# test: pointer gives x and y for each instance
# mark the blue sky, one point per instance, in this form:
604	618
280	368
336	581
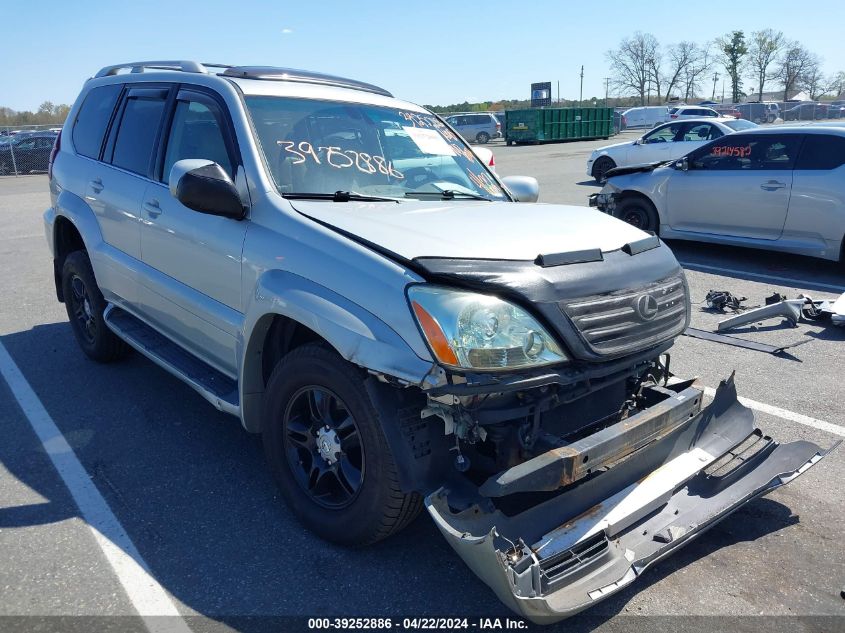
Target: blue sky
427	52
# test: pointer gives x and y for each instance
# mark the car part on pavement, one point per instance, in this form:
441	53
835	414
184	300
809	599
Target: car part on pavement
790	309
720	300
566	553
741	342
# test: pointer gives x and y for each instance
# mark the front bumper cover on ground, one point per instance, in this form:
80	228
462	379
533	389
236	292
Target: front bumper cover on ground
595	537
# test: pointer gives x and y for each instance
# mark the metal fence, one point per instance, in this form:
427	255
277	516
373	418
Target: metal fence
25	149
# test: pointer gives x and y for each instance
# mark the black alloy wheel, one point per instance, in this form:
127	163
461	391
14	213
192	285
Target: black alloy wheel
323	447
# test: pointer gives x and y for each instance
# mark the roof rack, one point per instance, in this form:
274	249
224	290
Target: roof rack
139	67
247	72
303	76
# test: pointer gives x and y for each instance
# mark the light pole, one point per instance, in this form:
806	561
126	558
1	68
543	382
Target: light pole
606	90
715	79
581	94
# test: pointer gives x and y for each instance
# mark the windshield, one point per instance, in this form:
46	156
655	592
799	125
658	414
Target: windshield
740	124
322	147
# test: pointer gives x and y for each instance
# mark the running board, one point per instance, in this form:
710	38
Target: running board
211	384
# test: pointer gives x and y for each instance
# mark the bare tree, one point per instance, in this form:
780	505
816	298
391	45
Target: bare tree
697	70
631	64
793	64
762	53
733	52
680	58
836	85
813	81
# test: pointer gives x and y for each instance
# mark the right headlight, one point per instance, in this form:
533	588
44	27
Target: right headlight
475	331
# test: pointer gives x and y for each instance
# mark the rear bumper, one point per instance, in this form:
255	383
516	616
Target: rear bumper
596	536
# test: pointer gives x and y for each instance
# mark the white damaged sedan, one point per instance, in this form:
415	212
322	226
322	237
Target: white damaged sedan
666	142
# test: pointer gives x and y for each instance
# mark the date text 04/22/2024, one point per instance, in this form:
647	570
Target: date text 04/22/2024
417	624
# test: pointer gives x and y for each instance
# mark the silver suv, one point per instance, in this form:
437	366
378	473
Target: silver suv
335	268
476	128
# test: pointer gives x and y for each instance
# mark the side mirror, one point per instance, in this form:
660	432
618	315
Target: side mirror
682	165
523	188
204	186
639	141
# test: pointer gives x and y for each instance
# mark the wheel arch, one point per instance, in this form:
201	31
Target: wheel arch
66	240
287	311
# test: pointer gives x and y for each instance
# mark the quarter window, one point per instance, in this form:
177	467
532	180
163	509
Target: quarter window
136	137
822	151
93	119
752	152
196	132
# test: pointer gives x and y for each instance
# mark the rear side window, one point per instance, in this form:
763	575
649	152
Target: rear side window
93	119
133	146
821	151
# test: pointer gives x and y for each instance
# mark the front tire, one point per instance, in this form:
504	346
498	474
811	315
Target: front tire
639	212
325	447
601	167
85	307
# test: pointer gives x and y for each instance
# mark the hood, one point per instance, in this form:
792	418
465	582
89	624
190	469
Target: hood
473	229
598	151
634	169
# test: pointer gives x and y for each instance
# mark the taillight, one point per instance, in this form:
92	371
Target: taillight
673	116
492	162
57	145
624	121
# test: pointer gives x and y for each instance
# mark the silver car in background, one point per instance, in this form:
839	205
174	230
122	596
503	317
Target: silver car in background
780	190
476	128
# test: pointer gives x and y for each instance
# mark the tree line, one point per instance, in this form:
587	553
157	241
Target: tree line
641	67
47	113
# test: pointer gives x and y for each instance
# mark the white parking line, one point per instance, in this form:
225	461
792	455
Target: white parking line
792	281
146	594
800	418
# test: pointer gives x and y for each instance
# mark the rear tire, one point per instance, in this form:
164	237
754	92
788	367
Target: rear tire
601	167
482	137
85	307
639	212
346	489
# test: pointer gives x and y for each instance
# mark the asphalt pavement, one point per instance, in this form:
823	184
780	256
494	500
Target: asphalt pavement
190	488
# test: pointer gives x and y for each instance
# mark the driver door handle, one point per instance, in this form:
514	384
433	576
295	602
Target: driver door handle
773	185
152	208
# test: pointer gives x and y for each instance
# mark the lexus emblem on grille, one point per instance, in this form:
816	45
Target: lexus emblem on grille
646	307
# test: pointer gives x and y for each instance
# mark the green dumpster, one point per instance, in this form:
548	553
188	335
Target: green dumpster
549	125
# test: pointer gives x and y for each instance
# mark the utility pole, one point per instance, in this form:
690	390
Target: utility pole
581	94
558	93
715	79
723	89
606	90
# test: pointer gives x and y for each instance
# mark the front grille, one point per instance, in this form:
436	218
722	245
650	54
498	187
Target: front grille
630	320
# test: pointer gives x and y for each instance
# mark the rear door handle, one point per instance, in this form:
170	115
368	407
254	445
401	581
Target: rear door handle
152	208
96	185
773	185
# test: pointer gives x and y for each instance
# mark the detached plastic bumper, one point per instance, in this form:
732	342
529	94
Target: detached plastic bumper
595	537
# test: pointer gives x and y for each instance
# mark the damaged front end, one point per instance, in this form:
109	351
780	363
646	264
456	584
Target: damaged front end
556	533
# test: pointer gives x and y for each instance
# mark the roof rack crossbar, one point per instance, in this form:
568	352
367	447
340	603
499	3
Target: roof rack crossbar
139	67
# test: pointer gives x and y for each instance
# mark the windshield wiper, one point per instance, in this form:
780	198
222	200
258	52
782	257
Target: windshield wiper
447	194
337	196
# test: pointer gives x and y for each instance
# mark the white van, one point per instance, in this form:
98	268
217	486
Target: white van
647	116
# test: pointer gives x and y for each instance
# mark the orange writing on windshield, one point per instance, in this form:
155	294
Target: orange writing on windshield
731	150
